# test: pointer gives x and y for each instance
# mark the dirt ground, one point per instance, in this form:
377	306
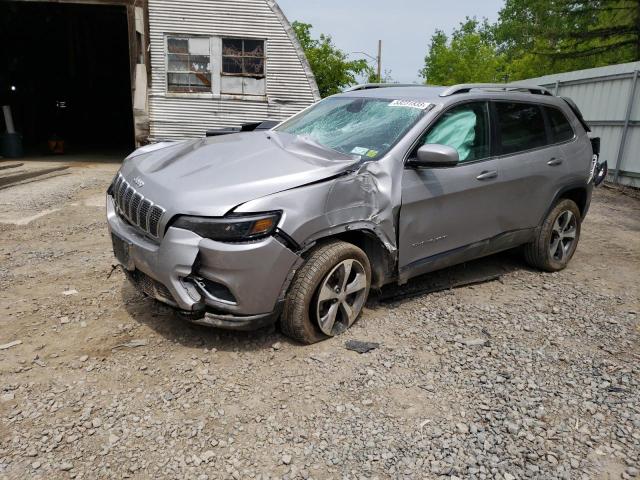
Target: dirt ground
532	376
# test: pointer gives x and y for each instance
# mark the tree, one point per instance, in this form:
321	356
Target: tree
546	36
534	38
470	56
371	76
330	65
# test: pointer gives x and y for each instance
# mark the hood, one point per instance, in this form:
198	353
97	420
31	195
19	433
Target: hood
211	176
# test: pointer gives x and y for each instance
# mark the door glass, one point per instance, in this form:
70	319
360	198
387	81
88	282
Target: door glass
560	126
521	127
464	128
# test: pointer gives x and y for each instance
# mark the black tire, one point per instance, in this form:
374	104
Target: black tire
538	253
299	320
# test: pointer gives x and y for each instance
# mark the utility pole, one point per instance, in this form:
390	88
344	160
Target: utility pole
379	61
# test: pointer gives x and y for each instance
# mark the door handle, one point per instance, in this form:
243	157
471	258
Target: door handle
487	175
554	162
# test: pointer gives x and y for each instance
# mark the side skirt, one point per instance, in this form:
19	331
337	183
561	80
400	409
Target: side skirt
496	244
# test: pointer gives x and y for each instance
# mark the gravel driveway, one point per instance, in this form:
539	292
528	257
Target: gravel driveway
530	376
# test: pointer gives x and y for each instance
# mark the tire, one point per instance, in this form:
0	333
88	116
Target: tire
557	239
312	300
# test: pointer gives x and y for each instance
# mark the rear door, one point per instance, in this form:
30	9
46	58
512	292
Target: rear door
447	208
532	164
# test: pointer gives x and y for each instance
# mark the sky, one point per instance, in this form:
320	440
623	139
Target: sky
404	26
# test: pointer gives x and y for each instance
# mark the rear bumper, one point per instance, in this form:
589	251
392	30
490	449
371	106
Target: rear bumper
253	276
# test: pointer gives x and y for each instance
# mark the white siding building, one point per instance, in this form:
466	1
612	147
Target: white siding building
221	63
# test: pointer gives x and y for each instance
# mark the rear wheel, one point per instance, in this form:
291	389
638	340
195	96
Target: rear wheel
557	239
327	293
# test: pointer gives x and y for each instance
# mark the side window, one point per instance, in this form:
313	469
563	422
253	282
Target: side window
561	130
465	128
520	127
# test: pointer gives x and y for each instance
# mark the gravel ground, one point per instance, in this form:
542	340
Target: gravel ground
532	376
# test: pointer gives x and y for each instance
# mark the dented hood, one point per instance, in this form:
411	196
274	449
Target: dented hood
211	176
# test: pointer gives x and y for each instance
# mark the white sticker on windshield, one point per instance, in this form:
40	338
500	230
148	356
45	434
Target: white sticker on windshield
360	151
410	104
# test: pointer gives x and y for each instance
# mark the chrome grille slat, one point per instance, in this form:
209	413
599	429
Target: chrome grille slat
143	217
155	214
135	205
135	208
123	187
126	202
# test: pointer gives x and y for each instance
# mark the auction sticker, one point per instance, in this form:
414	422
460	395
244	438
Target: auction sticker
360	150
410	104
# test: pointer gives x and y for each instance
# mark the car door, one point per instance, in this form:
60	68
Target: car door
533	165
444	209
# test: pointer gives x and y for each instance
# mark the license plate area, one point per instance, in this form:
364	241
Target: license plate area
121	249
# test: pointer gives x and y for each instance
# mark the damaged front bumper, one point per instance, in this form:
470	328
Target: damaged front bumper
226	285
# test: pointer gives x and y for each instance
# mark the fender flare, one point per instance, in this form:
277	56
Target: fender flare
587	188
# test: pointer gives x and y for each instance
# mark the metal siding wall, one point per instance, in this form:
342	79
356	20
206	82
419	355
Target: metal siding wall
602	95
289	89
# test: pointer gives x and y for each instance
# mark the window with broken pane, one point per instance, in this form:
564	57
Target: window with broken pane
188	64
243	57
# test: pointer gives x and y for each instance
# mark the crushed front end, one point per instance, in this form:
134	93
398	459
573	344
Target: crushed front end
228	284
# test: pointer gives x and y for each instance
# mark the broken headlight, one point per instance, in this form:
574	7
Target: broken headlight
238	228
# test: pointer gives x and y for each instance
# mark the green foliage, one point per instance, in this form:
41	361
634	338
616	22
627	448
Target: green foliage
371	75
330	65
534	38
470	56
546	36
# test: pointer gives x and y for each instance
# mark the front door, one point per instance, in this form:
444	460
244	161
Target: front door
447	209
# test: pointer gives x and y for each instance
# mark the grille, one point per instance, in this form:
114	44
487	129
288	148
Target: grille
151	287
138	210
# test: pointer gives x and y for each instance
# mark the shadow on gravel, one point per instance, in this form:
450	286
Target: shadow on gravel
485	269
174	328
164	321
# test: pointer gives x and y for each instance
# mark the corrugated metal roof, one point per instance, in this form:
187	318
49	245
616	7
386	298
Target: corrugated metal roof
610	70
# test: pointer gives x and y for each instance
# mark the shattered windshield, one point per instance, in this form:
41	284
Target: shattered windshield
368	127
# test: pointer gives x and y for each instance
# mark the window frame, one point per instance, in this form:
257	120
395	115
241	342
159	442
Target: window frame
495	147
243	56
185	36
491	132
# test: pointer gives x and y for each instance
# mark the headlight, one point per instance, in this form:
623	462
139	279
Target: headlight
231	229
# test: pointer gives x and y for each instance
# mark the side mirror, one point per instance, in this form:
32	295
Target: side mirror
433	155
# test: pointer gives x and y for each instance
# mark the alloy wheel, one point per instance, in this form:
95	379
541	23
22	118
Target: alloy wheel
341	296
563	236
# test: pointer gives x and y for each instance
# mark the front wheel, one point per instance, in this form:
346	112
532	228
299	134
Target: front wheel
557	238
327	293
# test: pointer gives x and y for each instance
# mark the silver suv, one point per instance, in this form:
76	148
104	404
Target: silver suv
296	223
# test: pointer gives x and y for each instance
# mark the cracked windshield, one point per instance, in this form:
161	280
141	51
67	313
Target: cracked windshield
368	127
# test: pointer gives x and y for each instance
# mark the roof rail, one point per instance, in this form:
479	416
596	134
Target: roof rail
504	87
369	86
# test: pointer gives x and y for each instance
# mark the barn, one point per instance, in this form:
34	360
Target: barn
115	74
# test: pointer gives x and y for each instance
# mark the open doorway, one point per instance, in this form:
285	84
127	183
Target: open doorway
65	71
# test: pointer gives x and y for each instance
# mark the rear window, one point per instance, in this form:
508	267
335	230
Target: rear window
521	127
561	130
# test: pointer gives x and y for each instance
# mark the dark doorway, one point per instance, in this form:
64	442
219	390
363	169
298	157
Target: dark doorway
64	69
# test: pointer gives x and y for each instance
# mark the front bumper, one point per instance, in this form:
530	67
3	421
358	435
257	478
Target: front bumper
254	275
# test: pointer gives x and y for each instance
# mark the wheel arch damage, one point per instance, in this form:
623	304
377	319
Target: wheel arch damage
356	207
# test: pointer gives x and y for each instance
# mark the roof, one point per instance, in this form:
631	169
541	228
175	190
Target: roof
445	95
590	73
425	93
